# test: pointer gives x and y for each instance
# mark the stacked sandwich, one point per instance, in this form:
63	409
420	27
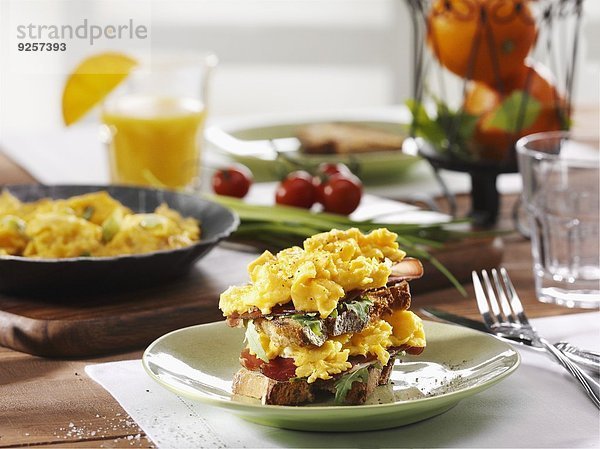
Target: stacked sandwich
325	319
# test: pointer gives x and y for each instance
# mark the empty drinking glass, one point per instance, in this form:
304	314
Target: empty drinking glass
561	193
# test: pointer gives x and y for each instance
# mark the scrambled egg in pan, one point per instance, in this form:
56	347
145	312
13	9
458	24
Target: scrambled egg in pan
90	225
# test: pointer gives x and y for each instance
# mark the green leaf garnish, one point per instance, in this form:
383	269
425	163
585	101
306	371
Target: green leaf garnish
360	307
424	125
518	111
112	225
344	384
15	223
312	323
253	340
448	129
152	221
88	212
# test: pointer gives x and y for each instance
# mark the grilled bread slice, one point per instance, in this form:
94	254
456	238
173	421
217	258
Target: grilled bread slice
340	138
287	330
298	391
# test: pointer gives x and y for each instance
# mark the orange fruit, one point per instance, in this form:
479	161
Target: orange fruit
91	81
482	40
538	81
495	143
480	99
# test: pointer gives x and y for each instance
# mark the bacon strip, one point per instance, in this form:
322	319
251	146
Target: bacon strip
407	269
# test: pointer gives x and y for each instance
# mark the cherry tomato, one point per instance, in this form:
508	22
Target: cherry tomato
333	168
341	194
324	171
297	189
318	183
232	181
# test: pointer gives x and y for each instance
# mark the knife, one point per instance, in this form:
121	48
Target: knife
454	319
589	360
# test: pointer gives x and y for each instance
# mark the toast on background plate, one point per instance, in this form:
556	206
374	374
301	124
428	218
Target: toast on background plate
342	138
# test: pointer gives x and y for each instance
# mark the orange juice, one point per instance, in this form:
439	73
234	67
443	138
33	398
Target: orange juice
155	140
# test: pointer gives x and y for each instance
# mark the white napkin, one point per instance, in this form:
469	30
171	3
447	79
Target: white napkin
537	406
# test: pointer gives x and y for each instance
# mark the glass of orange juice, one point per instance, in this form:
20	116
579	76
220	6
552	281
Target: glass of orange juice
154	122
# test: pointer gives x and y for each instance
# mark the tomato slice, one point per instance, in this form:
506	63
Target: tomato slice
283	369
280	368
249	361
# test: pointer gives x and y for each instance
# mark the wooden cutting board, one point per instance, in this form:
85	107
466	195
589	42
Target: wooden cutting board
99	321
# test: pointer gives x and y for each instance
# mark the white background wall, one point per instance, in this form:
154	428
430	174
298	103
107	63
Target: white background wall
275	55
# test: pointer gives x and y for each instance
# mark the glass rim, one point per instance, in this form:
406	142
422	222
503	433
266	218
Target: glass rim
169	61
521	147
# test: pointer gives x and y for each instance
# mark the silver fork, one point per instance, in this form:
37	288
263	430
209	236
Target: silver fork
507	319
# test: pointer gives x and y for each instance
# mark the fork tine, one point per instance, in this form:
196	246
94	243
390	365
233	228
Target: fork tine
515	302
508	313
492	297
482	302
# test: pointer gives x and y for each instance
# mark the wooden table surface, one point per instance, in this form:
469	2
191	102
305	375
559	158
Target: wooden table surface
50	402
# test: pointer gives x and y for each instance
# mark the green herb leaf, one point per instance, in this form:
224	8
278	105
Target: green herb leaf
312	323
360	307
152	221
253	340
448	127
518	111
344	384
112	225
424	125
88	212
13	222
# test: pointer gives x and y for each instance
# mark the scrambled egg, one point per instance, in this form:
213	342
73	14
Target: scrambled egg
400	328
94	224
58	235
407	329
315	277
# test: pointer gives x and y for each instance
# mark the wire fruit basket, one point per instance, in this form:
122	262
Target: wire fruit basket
488	72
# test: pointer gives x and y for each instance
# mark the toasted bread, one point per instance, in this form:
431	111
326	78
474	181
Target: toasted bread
285	330
338	138
298	391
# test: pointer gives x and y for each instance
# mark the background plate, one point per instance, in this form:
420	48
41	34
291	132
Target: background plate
199	363
252	143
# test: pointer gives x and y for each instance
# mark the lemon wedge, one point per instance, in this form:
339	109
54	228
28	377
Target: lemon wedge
91	81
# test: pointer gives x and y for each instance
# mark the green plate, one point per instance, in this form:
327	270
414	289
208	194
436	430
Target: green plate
253	143
199	362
